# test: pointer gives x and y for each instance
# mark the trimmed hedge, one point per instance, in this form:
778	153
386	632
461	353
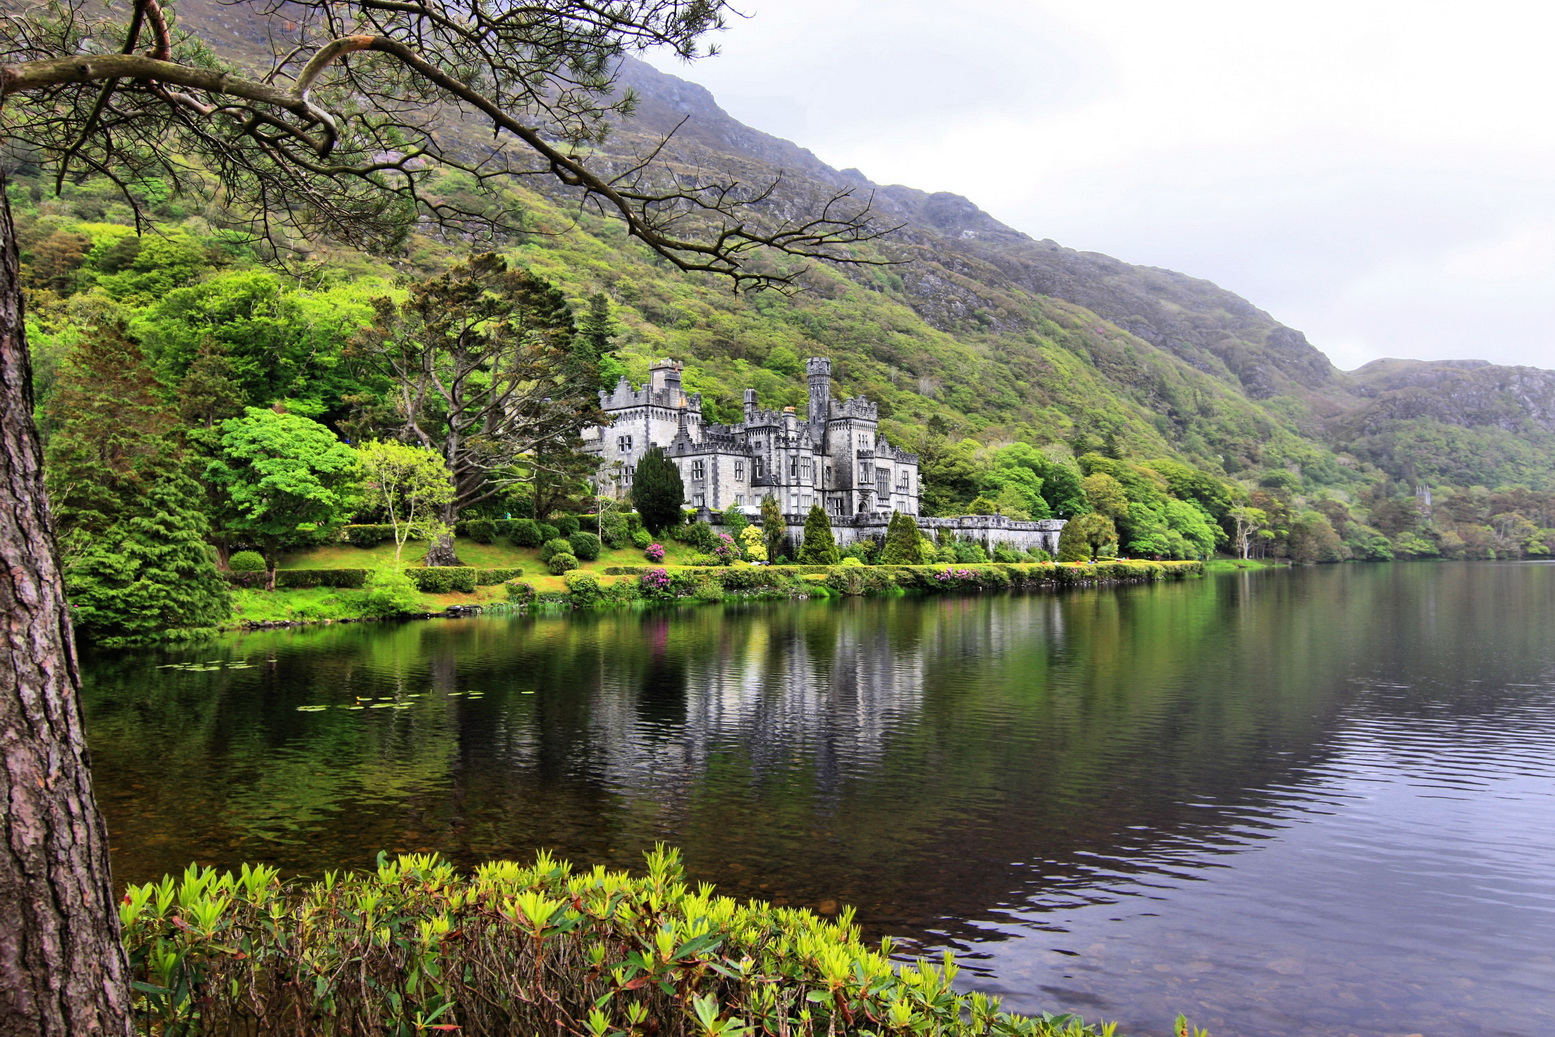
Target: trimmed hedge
444	579
488	577
296	579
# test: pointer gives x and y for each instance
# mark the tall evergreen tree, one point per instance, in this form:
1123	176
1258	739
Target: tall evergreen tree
113	435
153	573
131	532
657	490
903	543
820	546
482	370
773	527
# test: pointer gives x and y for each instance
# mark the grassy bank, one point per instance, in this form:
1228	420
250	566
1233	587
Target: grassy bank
415	947
619	577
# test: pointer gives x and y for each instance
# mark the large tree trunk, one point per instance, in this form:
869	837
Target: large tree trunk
441	551
62	968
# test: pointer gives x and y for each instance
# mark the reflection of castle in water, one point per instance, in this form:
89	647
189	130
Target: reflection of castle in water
822	700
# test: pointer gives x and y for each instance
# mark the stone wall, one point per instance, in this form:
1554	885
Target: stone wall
988	530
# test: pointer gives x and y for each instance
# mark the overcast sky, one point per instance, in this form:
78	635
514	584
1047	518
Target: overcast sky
1379	175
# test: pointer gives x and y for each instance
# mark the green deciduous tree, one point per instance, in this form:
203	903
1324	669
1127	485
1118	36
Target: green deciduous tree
409	486
820	546
1086	537
657	491
288	481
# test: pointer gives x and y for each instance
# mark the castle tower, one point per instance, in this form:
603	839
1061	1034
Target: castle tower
818	368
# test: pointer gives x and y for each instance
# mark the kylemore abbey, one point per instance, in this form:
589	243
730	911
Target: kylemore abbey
835	457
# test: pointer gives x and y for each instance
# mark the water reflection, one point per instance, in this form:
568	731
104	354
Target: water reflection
1269	800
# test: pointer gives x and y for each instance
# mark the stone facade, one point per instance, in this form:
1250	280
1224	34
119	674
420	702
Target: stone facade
835	456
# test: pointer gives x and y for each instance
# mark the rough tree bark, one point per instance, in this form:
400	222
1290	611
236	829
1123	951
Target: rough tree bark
62	968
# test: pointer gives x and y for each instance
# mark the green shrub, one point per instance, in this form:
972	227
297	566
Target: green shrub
520	591
368	536
1005	553
562	561
246	562
482	531
443	579
584	588
698	535
614	529
585	545
553	547
709	592
491	577
851	560
968	553
295	578
548	532
566	525
641	538
391	593
525	533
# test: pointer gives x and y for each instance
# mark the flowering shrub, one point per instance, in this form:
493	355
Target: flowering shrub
654	552
955	574
655	583
724	549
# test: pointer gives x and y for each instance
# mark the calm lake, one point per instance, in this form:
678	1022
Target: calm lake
1318	802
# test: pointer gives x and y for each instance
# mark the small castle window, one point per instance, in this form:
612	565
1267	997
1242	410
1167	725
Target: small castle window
698	470
700	500
805	470
756	469
624	444
793	467
739	500
739	469
866	473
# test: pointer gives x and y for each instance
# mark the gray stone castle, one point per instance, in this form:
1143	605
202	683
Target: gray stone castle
834	456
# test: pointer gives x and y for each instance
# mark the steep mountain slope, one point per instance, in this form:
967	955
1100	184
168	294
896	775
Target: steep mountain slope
984	331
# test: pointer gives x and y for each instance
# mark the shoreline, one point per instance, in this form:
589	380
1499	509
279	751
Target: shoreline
622	586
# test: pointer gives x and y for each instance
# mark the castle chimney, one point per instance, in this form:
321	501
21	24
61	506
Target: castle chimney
750	406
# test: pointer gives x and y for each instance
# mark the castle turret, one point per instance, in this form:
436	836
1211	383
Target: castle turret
818	368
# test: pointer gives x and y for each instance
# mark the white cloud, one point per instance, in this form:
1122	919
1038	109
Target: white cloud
1380	175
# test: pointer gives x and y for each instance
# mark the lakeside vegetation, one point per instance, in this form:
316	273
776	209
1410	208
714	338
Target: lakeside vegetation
414	947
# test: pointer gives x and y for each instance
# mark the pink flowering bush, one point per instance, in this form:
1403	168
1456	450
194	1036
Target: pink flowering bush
654	552
655	583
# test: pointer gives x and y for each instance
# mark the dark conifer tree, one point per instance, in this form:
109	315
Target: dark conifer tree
903	544
773	528
657	490
131	530
820	547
